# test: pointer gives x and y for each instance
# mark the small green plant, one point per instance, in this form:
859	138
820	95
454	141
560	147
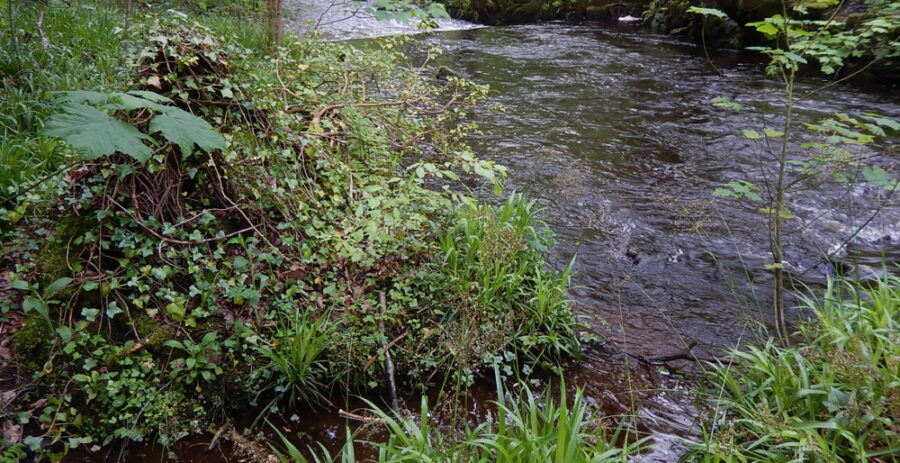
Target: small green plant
299	366
199	361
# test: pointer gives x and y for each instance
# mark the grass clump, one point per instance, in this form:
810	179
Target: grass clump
835	398
526	427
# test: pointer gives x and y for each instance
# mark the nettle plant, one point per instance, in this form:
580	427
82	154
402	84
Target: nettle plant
789	158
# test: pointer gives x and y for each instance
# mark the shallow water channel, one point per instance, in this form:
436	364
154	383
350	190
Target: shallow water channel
610	128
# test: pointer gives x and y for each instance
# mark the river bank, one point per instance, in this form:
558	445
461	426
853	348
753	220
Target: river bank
611	130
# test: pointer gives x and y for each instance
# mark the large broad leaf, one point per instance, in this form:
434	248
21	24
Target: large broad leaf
186	130
136	99
95	133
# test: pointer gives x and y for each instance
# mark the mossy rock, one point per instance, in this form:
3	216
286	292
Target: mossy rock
598	12
525	12
31	343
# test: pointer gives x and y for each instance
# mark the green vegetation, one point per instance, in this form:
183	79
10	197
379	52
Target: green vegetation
200	221
842	37
218	230
528	428
832	153
836	397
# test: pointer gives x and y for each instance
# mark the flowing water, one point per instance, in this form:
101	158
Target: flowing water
611	129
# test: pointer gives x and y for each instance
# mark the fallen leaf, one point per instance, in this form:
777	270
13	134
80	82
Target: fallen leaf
154	81
38	403
12	432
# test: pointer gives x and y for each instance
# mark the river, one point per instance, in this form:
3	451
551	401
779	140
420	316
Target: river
610	128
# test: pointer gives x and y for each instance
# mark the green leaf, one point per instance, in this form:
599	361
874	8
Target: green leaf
30	303
90	314
437	10
752	134
795	57
186	130
33	443
878	176
766	28
154	97
56	287
708	12
113	310
727	104
816	425
95	133
65	333
174	343
240	262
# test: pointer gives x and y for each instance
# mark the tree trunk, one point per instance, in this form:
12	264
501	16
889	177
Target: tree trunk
273	19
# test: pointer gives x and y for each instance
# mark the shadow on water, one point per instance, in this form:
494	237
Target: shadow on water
611	130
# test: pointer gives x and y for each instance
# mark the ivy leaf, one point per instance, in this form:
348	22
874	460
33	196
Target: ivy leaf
95	133
186	130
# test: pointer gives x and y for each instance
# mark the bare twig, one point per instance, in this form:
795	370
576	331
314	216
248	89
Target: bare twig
383	350
39	25
389	362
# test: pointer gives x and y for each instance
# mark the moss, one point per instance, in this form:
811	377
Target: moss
151	330
31	343
53	258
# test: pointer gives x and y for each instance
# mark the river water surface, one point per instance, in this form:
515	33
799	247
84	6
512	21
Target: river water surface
610	128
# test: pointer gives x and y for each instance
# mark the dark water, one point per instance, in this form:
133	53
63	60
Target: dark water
611	129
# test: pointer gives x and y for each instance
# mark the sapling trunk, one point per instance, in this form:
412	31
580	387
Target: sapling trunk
779	210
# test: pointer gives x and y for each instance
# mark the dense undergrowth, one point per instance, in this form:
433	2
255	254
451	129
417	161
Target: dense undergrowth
238	229
835	397
196	225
